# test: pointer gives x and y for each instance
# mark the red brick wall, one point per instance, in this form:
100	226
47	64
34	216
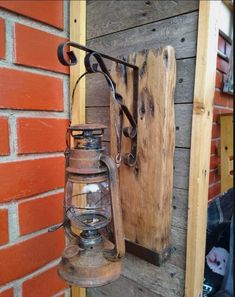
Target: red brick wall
223	104
33	120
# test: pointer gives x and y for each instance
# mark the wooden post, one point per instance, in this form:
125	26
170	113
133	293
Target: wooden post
200	145
78	34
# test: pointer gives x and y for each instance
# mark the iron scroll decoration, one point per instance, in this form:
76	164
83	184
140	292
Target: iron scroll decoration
100	67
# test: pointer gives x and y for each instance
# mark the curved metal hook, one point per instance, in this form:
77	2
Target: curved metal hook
73	60
92	67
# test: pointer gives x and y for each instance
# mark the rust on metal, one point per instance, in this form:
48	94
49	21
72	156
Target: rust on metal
100	67
90	260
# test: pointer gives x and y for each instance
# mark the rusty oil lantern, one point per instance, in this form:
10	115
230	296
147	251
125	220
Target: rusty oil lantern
91	202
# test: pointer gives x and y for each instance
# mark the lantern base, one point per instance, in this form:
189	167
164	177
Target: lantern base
89	268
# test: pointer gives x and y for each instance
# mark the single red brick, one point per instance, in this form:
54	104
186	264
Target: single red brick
214	190
45	284
222	65
219	80
7	293
4	142
37	135
26	178
218	110
29	255
2	39
221	44
214	177
214	162
40	213
49	12
37	48
31	91
4	226
223	99
228	48
214	147
215	131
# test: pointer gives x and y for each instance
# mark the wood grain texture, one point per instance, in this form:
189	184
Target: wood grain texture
146	189
183	118
180	208
183	122
200	145
105	17
78	34
181	172
179	32
166	280
78	116
121	287
185	74
97	90
140	278
181	168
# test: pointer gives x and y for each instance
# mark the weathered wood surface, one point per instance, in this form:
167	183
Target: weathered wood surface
146	189
181	168
122	287
166	280
180	208
179	32
105	17
183	122
141	279
98	90
183	118
205	74
78	34
185	73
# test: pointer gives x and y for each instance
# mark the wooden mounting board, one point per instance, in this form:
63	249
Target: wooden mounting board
146	189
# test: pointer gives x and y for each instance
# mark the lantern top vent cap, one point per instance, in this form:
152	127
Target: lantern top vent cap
87	130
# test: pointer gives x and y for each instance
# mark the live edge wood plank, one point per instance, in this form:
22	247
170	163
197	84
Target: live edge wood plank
146	189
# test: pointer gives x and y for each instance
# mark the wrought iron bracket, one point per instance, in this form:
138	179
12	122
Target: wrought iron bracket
100	67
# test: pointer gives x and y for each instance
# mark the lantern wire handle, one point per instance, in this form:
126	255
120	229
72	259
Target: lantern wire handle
130	132
118	131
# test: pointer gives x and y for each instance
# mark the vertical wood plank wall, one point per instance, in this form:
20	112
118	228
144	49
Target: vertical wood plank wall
118	28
